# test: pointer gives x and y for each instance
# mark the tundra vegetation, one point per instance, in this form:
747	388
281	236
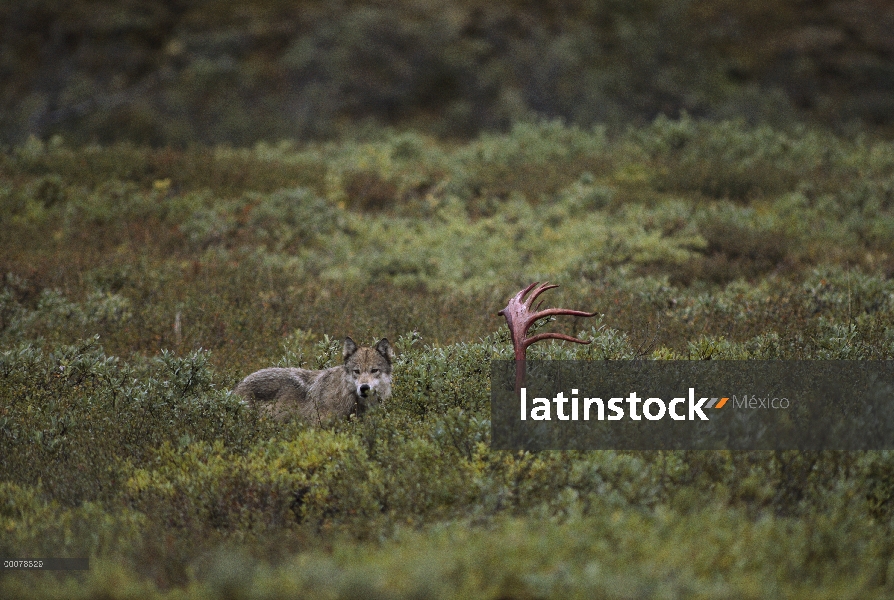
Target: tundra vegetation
140	285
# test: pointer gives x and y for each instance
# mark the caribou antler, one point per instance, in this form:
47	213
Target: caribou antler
519	317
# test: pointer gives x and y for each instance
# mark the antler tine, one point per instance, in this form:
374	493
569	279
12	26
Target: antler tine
559	311
517	299
539	290
554	336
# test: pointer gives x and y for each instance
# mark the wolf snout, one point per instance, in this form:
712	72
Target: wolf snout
364	390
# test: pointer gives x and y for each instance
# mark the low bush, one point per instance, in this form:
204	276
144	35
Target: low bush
131	304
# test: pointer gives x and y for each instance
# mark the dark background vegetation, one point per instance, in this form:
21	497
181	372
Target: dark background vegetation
212	71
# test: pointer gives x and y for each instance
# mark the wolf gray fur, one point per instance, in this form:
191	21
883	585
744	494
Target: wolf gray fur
317	396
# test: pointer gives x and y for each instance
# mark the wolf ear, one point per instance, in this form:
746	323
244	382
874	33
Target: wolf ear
384	348
349	349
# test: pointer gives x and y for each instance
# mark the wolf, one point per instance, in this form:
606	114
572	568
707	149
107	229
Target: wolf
318	396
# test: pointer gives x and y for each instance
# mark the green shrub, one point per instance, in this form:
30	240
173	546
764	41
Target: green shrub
140	285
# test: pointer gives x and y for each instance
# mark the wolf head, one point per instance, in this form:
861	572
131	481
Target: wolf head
369	369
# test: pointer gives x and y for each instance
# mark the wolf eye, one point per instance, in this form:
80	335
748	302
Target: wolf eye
356	371
374	371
